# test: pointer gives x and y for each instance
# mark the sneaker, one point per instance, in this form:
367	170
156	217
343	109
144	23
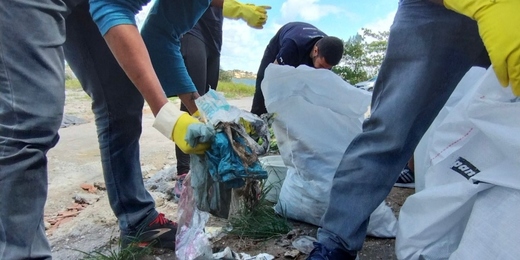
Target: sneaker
406	179
177	190
320	252
160	233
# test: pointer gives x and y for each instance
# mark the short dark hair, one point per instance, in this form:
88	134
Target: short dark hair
330	48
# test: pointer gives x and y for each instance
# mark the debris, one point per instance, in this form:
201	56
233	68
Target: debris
69	120
87	186
100	185
292	254
83	198
304	244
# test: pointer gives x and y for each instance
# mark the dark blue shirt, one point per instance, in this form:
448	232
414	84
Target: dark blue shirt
294	42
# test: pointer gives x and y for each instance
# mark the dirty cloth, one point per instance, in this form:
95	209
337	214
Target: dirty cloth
231	158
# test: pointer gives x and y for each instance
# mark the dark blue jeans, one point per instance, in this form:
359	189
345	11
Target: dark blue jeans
32	47
429	50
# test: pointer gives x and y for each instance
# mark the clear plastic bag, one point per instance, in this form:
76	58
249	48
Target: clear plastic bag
191	241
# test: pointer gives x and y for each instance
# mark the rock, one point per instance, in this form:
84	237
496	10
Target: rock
84	198
291	254
304	244
100	185
159	198
87	186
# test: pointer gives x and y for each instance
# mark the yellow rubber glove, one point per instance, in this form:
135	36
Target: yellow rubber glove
499	27
255	16
177	125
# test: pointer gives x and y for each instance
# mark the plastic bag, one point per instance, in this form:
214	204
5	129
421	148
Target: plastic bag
465	87
191	242
318	114
210	196
471	187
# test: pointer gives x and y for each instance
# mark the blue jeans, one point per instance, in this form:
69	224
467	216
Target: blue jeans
32	48
429	50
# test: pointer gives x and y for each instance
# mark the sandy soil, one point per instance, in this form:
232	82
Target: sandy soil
90	226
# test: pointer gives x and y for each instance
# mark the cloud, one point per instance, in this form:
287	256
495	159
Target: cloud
141	16
243	46
308	10
382	24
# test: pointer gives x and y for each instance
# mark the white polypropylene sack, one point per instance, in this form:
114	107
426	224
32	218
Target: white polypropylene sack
465	87
472	187
317	116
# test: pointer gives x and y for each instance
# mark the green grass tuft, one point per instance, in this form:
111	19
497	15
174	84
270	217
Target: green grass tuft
72	84
230	89
260	222
235	90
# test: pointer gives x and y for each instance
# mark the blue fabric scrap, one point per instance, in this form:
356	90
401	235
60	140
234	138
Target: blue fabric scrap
226	166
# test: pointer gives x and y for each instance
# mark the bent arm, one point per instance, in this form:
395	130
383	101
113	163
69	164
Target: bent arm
128	47
116	22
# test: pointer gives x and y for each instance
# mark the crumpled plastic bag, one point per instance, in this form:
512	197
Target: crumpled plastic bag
191	241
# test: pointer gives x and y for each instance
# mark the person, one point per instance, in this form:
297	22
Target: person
163	29
406	177
200	49
430	48
294	44
115	70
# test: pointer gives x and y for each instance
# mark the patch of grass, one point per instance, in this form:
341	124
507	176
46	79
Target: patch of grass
230	89
235	90
126	254
72	84
260	222
129	253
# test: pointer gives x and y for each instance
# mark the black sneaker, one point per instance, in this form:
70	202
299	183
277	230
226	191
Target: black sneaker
160	233
320	252
406	179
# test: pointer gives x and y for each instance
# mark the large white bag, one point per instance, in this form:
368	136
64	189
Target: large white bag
317	116
465	87
469	207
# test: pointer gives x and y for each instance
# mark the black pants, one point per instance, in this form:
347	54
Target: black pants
202	63
258	106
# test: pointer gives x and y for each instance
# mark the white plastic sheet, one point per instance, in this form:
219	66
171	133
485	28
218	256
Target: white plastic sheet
317	116
469	207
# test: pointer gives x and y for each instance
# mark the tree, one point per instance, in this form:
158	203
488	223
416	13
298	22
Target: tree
362	56
225	76
352	64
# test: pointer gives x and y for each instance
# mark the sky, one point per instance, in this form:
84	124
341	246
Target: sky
244	46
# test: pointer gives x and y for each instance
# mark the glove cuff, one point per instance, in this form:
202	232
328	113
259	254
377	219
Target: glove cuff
232	9
467	7
167	118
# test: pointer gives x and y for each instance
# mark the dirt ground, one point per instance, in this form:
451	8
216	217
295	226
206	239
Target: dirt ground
79	218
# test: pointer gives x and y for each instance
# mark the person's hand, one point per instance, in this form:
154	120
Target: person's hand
254	15
498	23
199	134
190	135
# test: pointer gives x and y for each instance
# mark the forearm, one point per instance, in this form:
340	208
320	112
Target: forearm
128	48
188	99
